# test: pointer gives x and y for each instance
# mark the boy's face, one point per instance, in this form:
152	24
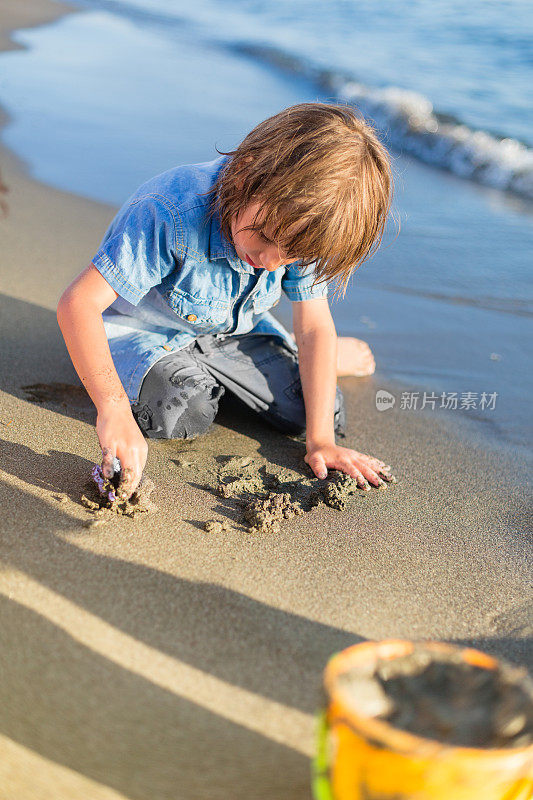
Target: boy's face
256	247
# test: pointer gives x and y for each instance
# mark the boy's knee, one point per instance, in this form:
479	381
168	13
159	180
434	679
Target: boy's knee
178	417
177	401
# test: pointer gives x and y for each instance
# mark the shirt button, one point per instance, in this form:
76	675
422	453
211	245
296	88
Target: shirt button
191	317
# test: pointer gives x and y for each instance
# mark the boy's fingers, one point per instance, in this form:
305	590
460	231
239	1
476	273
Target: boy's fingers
345	465
354	472
383	470
370	475
108	458
363	483
318	465
366	468
132	464
375	463
129	480
387	476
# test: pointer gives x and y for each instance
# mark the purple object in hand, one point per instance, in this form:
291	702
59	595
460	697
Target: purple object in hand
101	482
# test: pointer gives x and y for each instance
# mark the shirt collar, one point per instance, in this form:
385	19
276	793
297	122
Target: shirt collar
220	247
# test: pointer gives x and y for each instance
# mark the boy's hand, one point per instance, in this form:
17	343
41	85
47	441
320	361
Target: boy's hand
120	436
363	468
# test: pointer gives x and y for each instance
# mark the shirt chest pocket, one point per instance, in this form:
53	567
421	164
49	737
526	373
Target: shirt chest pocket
263	302
200	315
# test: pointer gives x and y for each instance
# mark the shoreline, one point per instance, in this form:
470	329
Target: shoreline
24	191
149	653
31	14
16	16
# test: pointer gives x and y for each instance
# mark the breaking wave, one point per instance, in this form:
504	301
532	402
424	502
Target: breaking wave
411	124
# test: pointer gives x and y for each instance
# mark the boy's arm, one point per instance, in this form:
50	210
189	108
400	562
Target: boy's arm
317	353
316	338
79	315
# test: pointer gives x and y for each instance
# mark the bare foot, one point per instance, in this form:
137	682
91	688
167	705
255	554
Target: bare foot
354	357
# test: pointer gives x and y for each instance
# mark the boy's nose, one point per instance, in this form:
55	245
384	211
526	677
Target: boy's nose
270	260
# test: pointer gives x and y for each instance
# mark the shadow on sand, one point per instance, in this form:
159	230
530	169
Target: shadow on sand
78	708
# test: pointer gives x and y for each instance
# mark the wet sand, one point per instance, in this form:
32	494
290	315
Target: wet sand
150	658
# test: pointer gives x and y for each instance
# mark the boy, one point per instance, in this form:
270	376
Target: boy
173	309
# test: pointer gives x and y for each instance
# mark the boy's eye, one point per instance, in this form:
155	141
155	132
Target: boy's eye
289	258
268	241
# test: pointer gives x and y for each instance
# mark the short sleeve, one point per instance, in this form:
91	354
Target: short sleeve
140	247
297	282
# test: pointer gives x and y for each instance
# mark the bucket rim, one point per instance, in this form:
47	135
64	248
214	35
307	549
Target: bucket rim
381	731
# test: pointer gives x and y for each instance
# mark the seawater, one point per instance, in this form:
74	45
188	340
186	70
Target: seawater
450	82
104	99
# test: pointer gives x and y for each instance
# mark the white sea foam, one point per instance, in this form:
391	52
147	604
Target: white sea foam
409	123
412	125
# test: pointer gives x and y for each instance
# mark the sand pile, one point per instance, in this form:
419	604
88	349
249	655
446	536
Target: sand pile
265	514
268	495
265	494
101	499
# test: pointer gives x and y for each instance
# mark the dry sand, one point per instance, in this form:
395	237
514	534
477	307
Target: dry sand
151	659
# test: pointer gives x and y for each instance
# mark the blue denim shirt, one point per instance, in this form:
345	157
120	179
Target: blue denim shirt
177	276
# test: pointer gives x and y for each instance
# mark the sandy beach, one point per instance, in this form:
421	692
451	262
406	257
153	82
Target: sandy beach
148	659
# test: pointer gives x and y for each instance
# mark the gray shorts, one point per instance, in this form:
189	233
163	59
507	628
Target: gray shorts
180	394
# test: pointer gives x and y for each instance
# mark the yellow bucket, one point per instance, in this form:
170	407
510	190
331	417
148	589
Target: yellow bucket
366	758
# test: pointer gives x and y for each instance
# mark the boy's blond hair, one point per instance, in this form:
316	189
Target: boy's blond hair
324	184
